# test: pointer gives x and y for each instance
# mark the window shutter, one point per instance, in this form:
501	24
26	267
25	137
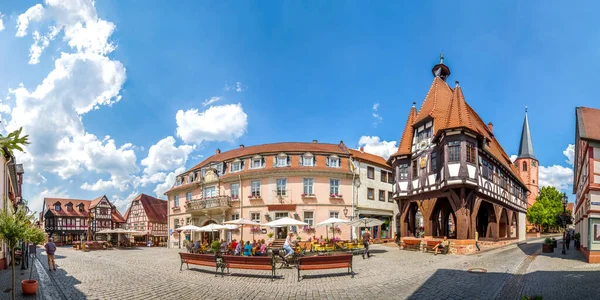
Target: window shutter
301	161
327	161
263	161
242	164
314	161
289	160
275	161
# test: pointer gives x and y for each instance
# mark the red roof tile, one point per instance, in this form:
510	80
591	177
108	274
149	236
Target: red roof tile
116	216
405	146
589	123
156	209
64	212
436	102
368	157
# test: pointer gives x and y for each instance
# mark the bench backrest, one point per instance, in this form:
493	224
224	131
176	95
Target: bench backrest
323	260
248	260
433	243
411	242
198	257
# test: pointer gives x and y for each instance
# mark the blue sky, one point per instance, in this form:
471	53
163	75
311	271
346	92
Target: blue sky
114	100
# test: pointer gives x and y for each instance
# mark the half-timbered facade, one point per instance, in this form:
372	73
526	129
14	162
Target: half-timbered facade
450	168
69	220
148	215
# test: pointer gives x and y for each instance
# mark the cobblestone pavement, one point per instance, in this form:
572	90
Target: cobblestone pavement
5	282
153	273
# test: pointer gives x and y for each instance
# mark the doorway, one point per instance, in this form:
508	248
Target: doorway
281	232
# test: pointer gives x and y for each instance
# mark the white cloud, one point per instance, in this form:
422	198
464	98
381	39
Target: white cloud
147	179
115	182
513	157
218	123
211	100
35	179
377	118
570	153
557	176
238	87
36	203
1	22
164	156
79	21
373	145
168	183
123	203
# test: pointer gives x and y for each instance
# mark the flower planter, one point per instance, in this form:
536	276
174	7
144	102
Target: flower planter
29	287
547	248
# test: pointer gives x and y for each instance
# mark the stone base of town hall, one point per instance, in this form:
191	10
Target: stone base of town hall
463	247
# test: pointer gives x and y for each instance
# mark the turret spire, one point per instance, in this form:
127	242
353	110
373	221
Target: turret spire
526	146
441	70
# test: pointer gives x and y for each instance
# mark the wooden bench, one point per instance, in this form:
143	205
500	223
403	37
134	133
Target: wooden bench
431	244
206	260
266	263
411	244
325	262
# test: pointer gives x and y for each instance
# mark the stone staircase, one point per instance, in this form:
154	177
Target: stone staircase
277	244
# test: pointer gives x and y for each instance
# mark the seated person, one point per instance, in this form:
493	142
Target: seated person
223	246
234	244
238	248
263	248
248	249
443	244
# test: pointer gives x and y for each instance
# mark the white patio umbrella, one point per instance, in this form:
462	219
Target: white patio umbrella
212	228
242	222
187	227
332	222
366	222
283	222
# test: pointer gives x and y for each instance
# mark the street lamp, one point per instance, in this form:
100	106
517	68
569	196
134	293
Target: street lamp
345	212
565	199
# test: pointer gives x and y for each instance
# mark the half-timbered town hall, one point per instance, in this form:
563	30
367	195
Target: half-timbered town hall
451	170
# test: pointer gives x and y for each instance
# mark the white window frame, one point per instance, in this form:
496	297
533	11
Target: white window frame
236	166
311	220
188	196
281	158
334	189
258	159
235	216
210	188
255	190
308	187
308	160
334	214
235	190
176	200
253	215
333	161
219	168
281	185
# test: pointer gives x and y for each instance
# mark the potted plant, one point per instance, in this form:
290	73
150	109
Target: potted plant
548	246
577	240
35	236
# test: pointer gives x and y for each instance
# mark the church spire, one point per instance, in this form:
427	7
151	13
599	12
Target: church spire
441	70
526	146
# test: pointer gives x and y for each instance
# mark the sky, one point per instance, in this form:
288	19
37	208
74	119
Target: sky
118	97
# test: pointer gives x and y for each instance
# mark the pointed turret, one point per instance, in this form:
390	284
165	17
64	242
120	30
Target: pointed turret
405	147
458	113
526	146
441	70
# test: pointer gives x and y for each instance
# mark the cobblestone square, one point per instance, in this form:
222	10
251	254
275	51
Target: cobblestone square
153	273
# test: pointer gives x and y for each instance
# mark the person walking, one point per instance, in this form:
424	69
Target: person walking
50	250
366	237
477	240
567	239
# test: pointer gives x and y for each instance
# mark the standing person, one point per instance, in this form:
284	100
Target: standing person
366	237
567	239
287	246
477	240
50	250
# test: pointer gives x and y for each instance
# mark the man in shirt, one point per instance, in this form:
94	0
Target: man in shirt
444	245
366	237
50	250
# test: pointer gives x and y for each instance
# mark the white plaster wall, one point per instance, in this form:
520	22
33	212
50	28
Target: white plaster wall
522	227
377	185
596	153
471	170
453	169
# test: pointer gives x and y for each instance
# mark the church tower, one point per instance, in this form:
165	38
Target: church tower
527	164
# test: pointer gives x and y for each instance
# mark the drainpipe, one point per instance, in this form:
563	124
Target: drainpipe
5	201
353	178
241	206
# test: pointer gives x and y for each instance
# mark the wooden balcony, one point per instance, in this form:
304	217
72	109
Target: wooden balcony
209	204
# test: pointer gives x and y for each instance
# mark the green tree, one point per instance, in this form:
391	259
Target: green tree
13	141
547	207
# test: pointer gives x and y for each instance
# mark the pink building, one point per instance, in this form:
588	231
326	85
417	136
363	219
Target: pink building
306	181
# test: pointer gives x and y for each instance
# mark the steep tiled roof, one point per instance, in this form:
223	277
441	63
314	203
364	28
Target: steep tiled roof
405	145
370	158
458	114
273	148
96	201
436	102
588	120
116	216
63	212
156	209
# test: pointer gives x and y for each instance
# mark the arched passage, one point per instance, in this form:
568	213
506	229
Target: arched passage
485	220
503	225
413	220
514	226
210	236
443	219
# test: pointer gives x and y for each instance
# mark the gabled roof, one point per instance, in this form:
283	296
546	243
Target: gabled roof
459	115
156	209
405	145
588	123
95	202
526	145
63	212
436	103
369	158
116	216
273	148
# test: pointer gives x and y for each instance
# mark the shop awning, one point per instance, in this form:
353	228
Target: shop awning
375	212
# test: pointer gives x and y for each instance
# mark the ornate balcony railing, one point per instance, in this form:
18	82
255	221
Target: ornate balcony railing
209	203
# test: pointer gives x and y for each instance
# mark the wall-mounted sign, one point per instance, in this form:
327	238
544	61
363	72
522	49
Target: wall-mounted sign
596	203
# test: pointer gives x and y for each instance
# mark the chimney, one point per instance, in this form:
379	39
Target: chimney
362	149
491	127
242	146
218	151
315	141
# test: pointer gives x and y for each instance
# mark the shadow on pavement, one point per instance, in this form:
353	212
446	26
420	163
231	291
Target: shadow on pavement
63	284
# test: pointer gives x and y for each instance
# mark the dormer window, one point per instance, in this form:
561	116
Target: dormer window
80	207
191	177
236	166
258	162
179	181
219	168
307	160
425	132
282	160
69	207
333	161
57	207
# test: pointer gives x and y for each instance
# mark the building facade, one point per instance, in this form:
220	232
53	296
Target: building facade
11	187
149	216
70	220
586	184
450	168
374	193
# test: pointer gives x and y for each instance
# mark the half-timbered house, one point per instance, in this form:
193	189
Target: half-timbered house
450	168
148	215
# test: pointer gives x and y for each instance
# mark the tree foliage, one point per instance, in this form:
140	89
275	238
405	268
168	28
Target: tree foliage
13	141
547	207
